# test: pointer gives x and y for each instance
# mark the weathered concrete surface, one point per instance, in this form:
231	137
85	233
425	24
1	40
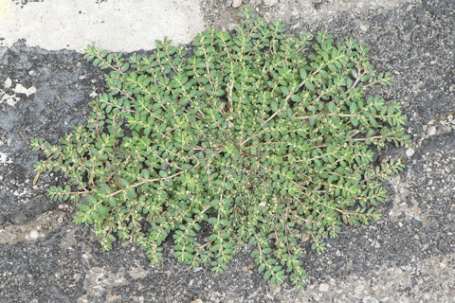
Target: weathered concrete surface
116	25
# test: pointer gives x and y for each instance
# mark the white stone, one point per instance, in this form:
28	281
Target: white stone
403	299
370	300
358	290
431	130
270	2
4	158
8	82
236	3
324	287
20	89
10	100
409	152
34	235
317	297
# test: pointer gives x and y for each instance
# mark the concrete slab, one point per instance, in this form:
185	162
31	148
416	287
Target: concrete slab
123	26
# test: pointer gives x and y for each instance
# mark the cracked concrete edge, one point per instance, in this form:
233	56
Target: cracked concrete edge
130	25
123	26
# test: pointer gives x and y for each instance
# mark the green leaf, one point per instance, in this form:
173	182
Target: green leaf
296	98
354	73
112	202
353	108
277	268
212	221
271	261
274	106
125	67
102	209
325	56
309	85
354	121
83	207
124	182
232	150
224	222
94	216
90	199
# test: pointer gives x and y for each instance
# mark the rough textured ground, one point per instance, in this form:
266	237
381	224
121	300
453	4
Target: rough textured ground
407	256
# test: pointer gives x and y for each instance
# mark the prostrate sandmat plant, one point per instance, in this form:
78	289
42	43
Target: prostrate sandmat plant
258	138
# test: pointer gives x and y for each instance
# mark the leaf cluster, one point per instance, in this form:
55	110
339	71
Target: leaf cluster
261	136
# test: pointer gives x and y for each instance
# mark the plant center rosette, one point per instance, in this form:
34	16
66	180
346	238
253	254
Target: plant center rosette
258	138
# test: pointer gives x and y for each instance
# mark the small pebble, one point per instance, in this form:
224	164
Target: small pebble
274	288
370	300
431	130
317	297
409	152
236	3
34	235
270	2
8	82
359	289
324	287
